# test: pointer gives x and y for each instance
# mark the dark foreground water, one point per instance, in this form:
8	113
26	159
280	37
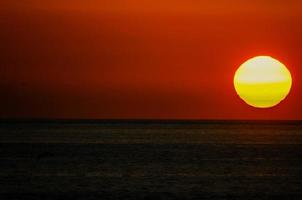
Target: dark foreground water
166	160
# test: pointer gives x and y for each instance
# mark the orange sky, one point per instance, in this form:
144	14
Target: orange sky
167	59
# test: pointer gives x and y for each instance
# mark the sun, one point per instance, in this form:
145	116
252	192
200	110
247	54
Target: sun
262	82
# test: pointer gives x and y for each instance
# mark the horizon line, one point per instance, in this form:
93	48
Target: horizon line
147	121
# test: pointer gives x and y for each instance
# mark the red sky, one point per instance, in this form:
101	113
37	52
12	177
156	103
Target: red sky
151	59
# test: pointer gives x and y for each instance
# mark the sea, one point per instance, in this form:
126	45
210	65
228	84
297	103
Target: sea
150	159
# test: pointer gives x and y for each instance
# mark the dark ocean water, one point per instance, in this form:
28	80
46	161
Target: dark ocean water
151	160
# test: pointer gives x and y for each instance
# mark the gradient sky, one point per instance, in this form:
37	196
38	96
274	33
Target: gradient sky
134	59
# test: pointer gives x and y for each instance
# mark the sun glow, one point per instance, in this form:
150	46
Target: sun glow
262	82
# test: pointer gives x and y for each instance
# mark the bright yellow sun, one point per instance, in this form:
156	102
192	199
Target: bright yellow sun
262	82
